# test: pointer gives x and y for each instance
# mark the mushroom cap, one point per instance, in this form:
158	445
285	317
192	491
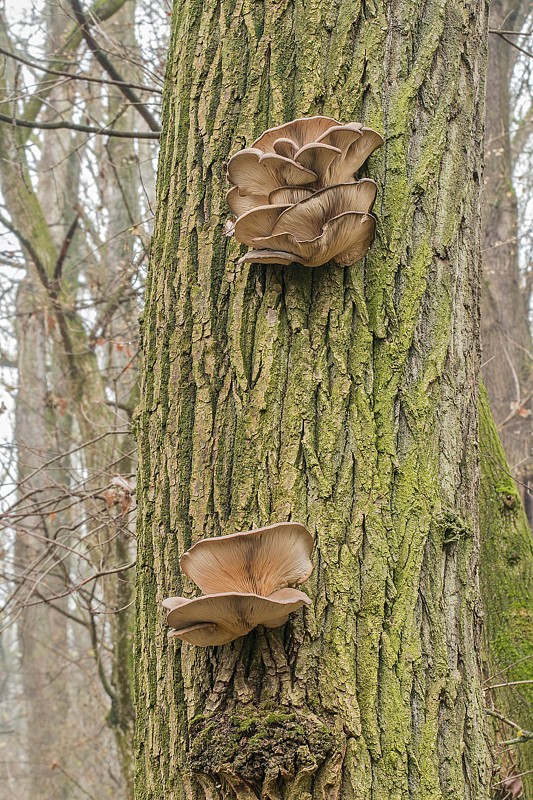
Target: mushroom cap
216	619
300	132
271	257
259	562
345	239
255	172
355	144
333	223
352	233
281	196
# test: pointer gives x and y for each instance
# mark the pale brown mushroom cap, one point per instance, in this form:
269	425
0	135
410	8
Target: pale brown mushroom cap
281	196
240	204
344	239
356	144
289	195
306	219
299	131
257	222
220	618
333	223
202	635
317	157
255	172
271	257
257	562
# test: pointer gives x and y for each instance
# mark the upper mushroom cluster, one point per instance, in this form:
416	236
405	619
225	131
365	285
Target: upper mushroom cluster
246	577
295	195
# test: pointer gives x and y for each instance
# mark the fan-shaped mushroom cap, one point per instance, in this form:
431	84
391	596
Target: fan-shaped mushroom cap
271	257
306	219
356	145
202	635
333	222
351	233
240	203
284	147
258	222
289	195
255	172
317	157
257	562
299	131
215	619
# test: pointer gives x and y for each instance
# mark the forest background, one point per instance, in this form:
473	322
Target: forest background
79	125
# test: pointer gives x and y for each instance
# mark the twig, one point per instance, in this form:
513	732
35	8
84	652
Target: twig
516	46
93	577
510	33
522	736
65	247
510	683
72	126
80	76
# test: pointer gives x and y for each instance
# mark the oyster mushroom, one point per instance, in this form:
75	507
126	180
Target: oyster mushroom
334	223
257	562
257	173
287	165
217	619
297	133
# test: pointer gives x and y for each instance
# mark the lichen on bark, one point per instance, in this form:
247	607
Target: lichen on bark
344	399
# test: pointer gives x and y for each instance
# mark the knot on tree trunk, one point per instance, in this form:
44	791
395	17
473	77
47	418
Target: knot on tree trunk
259	750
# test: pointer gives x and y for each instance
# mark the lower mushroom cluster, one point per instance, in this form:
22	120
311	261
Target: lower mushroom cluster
247	577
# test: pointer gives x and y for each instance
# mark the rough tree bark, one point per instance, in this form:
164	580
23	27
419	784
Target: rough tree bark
345	399
507	346
506	574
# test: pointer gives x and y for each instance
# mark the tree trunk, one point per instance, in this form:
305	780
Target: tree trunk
41	629
507	347
345	399
507	588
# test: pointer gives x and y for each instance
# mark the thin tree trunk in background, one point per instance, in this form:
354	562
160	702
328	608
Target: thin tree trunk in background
506	336
506	548
42	434
507	589
42	630
345	399
119	173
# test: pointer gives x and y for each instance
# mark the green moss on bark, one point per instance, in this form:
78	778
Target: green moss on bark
258	744
507	587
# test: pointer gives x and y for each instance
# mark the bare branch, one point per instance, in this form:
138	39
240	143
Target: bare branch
523	735
516	46
104	62
72	126
80	76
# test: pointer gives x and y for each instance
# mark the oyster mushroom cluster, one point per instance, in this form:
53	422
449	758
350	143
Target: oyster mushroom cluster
247	579
295	196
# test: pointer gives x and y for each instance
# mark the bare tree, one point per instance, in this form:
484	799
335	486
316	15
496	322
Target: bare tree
79	206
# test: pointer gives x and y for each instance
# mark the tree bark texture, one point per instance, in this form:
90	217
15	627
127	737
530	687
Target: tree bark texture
507	588
507	346
345	399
